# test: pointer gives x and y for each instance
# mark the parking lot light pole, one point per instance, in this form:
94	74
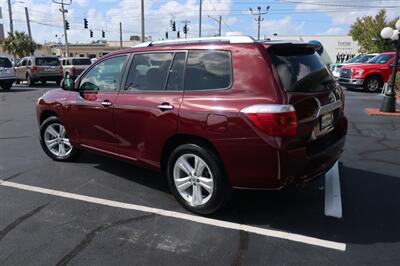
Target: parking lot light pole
389	100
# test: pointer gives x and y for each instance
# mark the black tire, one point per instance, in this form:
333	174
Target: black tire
7	85
222	189
71	156
373	84
29	80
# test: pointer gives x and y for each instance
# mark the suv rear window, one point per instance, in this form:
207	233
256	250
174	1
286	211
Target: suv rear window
301	69
47	61
81	61
5	62
208	70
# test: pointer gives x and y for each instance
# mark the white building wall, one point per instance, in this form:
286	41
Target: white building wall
333	44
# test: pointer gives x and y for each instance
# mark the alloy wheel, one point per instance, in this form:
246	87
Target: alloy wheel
373	85
56	140
193	179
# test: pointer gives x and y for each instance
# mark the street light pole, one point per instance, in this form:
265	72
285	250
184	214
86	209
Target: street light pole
200	11
142	21
259	18
389	100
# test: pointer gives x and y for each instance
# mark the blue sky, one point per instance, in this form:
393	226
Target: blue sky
285	17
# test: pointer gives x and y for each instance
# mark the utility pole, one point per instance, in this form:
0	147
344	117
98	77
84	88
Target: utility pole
120	35
200	9
219	21
10	16
259	18
63	11
143	35
28	23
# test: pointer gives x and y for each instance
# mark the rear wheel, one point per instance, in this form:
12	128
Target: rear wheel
373	84
197	179
29	80
55	141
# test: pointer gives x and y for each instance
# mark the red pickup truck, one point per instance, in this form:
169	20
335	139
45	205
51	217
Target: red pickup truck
368	76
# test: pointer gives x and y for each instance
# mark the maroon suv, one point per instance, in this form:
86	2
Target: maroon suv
212	114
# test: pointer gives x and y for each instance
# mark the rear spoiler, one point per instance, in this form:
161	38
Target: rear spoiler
283	45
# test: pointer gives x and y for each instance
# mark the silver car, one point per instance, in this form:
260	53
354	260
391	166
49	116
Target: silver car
7	73
39	68
74	66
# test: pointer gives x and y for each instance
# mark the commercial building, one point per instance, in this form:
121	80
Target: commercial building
334	45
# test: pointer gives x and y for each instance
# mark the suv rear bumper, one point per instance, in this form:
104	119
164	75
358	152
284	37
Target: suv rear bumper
351	82
256	164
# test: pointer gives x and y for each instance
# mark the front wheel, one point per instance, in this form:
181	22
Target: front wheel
7	85
373	84
197	179
55	142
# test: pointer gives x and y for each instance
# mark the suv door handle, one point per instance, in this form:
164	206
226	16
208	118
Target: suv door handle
165	107
106	103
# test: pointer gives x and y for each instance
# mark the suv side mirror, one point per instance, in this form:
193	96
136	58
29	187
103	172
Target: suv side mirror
67	83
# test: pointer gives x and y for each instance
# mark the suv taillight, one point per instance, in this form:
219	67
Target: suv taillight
34	69
273	119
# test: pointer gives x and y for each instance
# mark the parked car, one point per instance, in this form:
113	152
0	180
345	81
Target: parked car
7	73
358	59
369	76
74	66
39	68
202	116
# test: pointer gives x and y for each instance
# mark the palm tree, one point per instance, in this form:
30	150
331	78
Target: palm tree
20	44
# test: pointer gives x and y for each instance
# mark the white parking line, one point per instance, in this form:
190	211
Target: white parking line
183	216
333	199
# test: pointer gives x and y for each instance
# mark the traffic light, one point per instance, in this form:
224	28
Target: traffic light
103	34
185	29
166	35
91	34
178	34
66	25
173	26
85	23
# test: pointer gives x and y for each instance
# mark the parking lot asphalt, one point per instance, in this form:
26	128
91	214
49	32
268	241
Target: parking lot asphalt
48	229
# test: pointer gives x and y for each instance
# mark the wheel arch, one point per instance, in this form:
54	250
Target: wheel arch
180	139
46	114
375	74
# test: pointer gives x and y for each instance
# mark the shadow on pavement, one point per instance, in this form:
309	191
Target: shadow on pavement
371	204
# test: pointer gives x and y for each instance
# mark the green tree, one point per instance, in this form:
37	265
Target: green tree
20	44
366	31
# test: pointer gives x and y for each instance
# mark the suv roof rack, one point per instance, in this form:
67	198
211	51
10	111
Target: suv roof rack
231	39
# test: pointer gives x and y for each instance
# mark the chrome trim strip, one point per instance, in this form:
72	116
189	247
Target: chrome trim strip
268	108
329	108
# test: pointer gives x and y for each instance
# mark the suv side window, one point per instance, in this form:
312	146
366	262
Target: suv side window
208	70
23	62
149	71
105	76
175	78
